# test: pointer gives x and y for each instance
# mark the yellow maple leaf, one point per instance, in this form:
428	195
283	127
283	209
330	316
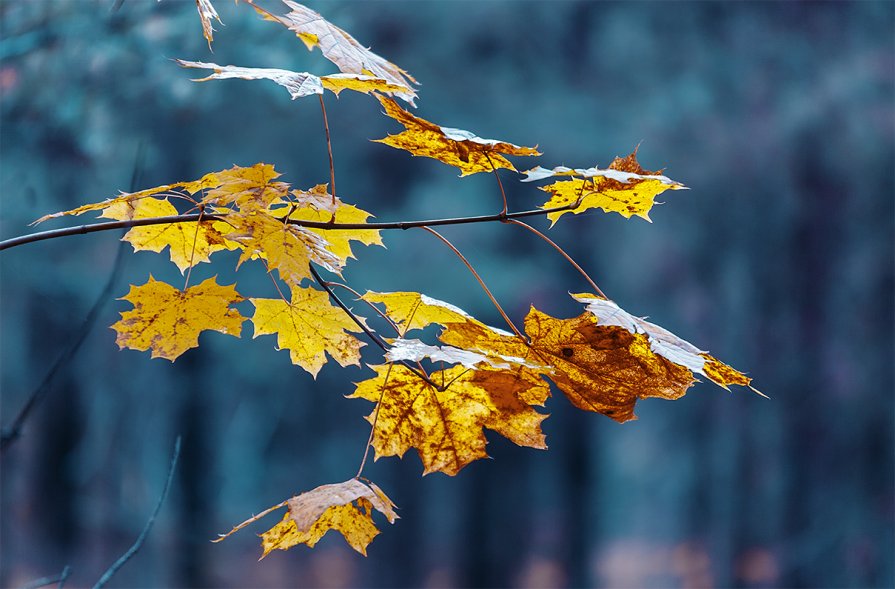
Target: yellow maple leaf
287	248
190	243
168	321
308	326
455	147
341	48
345	507
664	343
220	180
413	310
624	188
445	425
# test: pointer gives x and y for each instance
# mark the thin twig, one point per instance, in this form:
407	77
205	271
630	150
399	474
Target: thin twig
499	184
481	282
363	461
563	252
142	537
325	225
44	581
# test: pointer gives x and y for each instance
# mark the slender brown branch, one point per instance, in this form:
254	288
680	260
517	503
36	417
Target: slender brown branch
325	225
563	252
363	460
329	150
479	278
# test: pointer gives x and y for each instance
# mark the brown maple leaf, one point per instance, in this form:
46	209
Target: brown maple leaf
455	147
168	321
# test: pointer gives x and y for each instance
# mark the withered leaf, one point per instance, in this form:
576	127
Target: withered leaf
168	321
308	326
341	48
455	147
445	426
206	14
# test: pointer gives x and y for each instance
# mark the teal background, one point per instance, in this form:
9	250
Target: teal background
779	260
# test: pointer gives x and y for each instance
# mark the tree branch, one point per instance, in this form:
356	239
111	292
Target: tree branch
194	217
142	537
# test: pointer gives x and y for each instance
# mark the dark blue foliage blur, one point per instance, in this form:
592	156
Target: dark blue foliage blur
778	116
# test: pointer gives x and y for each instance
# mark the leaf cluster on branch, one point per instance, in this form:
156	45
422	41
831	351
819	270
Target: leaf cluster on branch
433	396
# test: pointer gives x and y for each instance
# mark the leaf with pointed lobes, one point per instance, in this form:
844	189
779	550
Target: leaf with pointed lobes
455	147
445	424
624	188
344	507
412	310
190	243
206	14
168	321
316	204
664	343
298	84
341	48
309	326
240	185
604	369
287	248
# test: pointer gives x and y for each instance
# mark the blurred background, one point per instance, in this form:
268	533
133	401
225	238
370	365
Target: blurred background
779	260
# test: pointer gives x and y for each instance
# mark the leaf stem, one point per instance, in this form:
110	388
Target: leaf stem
189	270
479	278
369	304
329	150
363	460
251	520
324	225
499	184
561	251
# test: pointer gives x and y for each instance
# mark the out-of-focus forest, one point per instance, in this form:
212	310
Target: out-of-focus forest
779	260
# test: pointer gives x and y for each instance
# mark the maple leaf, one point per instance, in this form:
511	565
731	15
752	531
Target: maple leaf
237	184
206	14
298	84
624	188
455	147
604	369
190	243
168	321
341	48
445	426
308	326
345	507
317	205
287	248
412	310
664	343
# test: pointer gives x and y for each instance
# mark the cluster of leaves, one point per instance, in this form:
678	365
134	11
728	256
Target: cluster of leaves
602	360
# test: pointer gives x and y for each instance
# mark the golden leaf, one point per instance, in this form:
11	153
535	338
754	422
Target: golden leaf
663	342
288	248
220	180
455	147
412	310
341	48
309	326
169	321
190	243
624	188
445	426
345	507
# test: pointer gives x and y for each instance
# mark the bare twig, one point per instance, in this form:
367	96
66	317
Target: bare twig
142	537
44	581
